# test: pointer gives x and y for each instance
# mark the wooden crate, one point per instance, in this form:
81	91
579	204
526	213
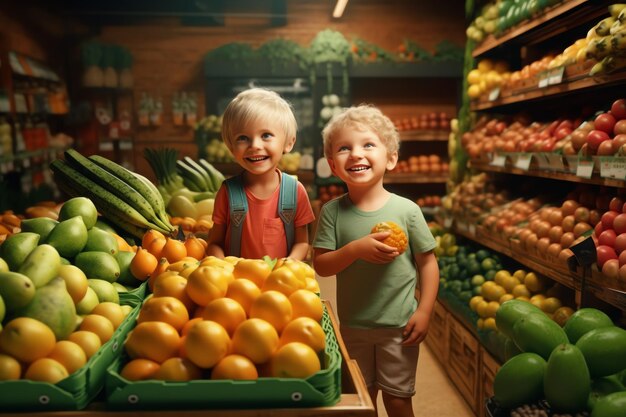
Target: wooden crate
437	338
464	361
488	371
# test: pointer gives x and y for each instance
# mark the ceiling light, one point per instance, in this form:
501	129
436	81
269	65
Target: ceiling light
339	8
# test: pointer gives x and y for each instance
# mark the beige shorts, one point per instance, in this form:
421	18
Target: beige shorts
383	361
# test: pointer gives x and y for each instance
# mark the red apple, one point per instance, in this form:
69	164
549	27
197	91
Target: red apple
622	273
610	269
597	230
619	224
620	127
605	122
618	109
622	258
616	204
595	138
620	243
619	141
607	238
606	148
608	218
605	253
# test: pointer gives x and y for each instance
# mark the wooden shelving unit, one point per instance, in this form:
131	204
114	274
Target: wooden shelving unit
414	179
424	136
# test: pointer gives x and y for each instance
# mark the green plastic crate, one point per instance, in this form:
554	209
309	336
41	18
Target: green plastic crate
134	297
74	392
320	389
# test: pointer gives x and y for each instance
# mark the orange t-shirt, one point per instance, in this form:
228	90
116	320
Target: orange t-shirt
263	230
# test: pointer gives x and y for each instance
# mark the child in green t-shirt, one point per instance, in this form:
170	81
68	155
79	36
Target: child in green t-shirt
382	321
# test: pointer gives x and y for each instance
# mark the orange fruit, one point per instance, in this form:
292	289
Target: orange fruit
244	292
174	250
220	263
225	311
304	303
143	264
284	280
235	367
256	270
88	341
154	340
162	267
166	309
312	285
397	237
149	236
99	325
121	243
46	370
206	343
256	339
10	368
139	369
173	285
304	330
26	339
111	311
187	326
194	247
294	360
207	283
178	369
273	307
69	354
155	246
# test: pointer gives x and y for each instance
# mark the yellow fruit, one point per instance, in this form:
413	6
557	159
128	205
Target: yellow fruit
490	323
177	369
256	339
206	343
510	283
88	341
226	312
273	307
10	368
256	270
481	308
26	339
505	297
533	282
473	77
304	303
46	370
235	367
550	305
153	340
294	360
501	276
75	281
111	311
283	280
139	369
397	237
562	314
244	292
164	309
99	325
473	302
492	292
492	307
207	283
520	274
520	290
69	354
304	330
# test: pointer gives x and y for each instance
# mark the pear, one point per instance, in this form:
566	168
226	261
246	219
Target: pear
104	290
53	305
17	290
119	287
98	265
40	225
69	237
88	302
101	240
41	265
4	266
17	247
79	206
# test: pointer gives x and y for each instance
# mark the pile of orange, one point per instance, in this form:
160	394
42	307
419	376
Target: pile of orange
228	318
31	351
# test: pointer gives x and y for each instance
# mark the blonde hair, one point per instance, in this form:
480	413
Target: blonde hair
257	104
363	116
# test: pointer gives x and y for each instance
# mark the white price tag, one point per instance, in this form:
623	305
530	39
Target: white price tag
523	161
472	229
498	160
544	79
606	167
494	94
584	168
556	75
615	167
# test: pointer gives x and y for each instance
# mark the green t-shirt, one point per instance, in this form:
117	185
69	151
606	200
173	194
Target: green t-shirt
372	295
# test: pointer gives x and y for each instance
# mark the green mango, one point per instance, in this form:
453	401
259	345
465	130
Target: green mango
126	277
604	350
69	237
53	305
100	265
583	321
537	333
612	405
3	309
17	290
104	290
510	311
566	381
79	206
41	265
88	302
103	225
603	386
40	225
17	247
520	380
102	241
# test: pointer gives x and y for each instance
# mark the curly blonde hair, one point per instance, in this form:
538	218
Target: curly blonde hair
363	116
257	104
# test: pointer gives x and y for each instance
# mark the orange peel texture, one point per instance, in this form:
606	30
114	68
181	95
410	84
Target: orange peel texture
397	238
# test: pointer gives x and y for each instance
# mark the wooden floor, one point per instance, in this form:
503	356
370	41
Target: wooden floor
435	396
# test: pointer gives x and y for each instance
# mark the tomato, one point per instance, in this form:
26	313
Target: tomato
620	243
619	224
605	122
605	253
616	204
620	127
595	138
607	238
608	218
618	109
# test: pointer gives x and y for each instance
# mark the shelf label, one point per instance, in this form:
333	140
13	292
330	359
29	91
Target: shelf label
556	161
542	160
611	167
584	168
498	160
544	79
556	75
494	94
472	229
523	161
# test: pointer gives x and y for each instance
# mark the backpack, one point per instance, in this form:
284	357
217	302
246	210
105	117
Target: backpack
238	203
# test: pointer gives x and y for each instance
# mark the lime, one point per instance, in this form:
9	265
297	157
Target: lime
487	264
478	280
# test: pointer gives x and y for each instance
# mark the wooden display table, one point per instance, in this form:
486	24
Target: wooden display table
355	400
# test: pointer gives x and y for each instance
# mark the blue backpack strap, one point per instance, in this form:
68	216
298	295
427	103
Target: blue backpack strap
287	207
238	204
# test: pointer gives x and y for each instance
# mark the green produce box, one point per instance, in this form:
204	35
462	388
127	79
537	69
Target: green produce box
134	297
74	392
320	389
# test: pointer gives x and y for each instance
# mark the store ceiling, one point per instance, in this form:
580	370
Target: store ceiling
190	12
